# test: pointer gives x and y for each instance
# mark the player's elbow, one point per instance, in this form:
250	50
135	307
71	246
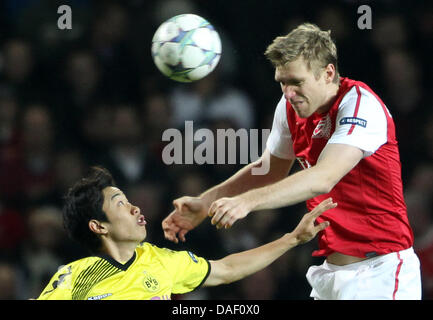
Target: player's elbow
323	184
221	273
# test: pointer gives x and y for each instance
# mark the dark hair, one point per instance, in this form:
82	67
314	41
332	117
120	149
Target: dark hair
83	202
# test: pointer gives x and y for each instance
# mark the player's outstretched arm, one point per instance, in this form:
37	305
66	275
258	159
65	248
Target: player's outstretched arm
240	265
189	212
335	161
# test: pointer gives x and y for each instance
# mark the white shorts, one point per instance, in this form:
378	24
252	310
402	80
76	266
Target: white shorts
393	276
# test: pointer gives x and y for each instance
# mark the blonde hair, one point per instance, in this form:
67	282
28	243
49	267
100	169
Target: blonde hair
308	41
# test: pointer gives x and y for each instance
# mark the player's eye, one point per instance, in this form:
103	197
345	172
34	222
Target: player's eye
291	83
120	203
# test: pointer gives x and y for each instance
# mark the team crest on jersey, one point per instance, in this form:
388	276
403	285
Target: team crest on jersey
150	282
323	128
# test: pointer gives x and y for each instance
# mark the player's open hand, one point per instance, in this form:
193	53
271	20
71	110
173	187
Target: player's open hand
189	212
226	211
307	229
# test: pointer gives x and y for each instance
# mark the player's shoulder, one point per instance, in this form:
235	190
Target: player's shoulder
154	250
147	246
280	110
162	252
80	264
356	94
75	268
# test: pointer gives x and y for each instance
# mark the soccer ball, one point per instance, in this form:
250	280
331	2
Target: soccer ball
186	48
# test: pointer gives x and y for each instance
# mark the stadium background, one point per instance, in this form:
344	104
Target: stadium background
91	95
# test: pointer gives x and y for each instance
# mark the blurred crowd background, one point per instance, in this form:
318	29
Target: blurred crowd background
70	99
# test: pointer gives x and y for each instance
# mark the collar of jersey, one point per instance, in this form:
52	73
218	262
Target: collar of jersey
117	264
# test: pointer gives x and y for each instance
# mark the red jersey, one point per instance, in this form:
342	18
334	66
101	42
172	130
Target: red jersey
371	217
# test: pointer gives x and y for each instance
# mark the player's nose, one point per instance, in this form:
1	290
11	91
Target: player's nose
135	210
289	92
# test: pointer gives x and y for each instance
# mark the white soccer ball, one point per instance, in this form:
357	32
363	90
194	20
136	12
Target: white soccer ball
186	48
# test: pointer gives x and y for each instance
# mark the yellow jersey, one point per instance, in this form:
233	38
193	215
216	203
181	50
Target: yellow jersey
151	274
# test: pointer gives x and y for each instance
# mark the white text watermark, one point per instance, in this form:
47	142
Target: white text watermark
223	146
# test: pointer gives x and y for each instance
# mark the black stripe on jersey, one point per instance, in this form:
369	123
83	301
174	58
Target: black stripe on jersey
92	275
117	264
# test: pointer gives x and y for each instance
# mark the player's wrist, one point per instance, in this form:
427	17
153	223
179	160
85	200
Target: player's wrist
250	201
291	240
205	203
211	195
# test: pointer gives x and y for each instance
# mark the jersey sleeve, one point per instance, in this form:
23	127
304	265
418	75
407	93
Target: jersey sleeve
60	286
189	271
279	142
361	122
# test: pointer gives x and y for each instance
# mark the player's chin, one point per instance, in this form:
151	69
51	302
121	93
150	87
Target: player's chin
142	233
303	113
142	238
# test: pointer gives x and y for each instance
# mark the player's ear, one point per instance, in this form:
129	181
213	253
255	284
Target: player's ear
97	227
330	73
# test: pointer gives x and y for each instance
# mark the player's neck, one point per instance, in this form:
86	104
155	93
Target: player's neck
120	251
331	95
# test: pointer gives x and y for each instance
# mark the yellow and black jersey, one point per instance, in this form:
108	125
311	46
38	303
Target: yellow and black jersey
151	274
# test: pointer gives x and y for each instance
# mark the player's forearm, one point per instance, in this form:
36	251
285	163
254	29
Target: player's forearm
240	265
247	178
296	188
335	161
240	182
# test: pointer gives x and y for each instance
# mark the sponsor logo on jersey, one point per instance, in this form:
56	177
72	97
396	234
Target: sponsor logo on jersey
323	128
100	297
354	120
